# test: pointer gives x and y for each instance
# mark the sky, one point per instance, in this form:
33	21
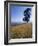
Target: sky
17	13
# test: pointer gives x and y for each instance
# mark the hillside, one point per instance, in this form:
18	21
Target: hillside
21	31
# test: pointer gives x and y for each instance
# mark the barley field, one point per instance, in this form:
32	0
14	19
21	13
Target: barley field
21	31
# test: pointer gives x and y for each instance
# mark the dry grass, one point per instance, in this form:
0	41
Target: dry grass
21	31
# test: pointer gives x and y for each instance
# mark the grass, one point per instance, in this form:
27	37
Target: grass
21	31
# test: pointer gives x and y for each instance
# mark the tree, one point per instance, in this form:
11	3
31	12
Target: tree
27	15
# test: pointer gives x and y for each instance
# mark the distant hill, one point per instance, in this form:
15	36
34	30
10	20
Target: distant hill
15	24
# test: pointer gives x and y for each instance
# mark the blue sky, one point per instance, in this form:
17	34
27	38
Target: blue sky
17	13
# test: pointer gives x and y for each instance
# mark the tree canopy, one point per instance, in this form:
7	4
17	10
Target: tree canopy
27	14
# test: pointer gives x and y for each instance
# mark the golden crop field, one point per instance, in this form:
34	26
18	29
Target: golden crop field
21	31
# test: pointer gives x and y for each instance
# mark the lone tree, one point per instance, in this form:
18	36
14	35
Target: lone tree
27	14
